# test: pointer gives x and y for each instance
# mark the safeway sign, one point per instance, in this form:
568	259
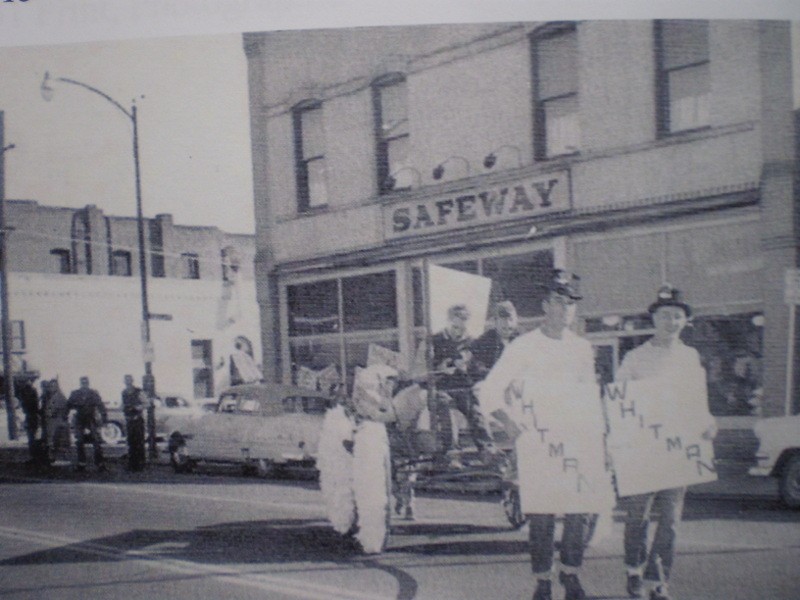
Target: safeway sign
791	290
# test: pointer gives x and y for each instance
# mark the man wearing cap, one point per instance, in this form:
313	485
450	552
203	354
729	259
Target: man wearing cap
90	415
662	356
486	350
553	352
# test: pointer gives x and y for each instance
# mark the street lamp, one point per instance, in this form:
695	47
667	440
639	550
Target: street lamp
5	324
149	382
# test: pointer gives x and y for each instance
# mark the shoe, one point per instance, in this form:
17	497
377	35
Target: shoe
660	592
544	590
635	586
572	586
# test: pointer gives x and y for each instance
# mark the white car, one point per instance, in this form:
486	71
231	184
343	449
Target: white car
168	407
778	455
259	426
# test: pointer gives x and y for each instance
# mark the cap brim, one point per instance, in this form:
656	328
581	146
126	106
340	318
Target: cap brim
656	305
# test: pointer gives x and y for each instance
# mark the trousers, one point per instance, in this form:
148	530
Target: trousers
541	535
669	506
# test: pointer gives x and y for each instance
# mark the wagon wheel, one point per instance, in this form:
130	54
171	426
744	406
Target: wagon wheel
512	507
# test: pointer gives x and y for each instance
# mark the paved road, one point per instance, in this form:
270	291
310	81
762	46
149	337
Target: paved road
159	535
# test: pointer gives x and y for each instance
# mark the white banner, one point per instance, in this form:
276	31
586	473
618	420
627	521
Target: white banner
449	287
655	434
560	457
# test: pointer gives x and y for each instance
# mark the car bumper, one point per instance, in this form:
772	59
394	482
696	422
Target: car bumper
760	471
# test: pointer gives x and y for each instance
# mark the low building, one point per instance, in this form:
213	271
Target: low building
76	299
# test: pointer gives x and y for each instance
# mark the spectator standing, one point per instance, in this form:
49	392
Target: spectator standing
29	400
90	416
55	413
134	404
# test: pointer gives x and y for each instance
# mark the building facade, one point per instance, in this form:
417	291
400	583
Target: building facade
75	299
631	152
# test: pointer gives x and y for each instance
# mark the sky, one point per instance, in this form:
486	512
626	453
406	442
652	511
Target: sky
193	121
191	91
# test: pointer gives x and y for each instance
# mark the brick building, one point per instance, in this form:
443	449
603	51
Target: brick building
631	152
75	298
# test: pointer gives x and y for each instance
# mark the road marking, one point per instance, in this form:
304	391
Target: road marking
260	581
316	507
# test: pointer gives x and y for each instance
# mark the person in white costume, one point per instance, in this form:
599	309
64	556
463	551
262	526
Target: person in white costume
552	353
354	459
665	357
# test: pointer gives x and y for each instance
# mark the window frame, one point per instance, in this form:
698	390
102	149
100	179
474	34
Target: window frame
383	142
547	32
122	254
190	265
662	79
301	162
65	257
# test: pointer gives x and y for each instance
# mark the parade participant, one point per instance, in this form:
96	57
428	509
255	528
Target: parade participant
486	350
354	460
666	357
90	415
553	352
134	404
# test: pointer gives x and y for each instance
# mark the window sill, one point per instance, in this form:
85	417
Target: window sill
311	211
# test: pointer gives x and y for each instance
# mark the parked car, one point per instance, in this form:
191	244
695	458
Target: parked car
259	426
778	455
167	408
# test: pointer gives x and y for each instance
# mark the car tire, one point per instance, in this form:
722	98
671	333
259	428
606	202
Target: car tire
790	482
512	507
112	433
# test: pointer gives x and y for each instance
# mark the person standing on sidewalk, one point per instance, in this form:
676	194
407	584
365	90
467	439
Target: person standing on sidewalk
663	356
552	352
134	404
55	413
90	416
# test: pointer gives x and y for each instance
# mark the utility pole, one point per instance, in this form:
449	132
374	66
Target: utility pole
5	324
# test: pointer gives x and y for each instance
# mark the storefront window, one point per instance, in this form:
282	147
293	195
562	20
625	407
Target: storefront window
369	302
730	348
313	308
520	278
322	342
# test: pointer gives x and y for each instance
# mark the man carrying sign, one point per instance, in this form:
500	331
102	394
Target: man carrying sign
554	356
667	358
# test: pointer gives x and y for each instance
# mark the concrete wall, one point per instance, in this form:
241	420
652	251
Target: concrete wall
91	325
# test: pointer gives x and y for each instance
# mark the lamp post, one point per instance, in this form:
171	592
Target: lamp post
148	382
5	324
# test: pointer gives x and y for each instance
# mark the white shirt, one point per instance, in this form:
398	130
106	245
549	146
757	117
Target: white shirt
536	356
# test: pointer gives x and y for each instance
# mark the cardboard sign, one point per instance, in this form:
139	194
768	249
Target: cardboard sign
449	287
655	434
306	378
378	355
560	455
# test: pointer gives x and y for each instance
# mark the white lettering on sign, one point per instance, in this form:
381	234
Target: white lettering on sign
534	196
655	434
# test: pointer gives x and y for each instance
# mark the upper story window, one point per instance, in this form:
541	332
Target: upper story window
121	263
683	82
555	84
190	266
309	144
390	102
61	260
